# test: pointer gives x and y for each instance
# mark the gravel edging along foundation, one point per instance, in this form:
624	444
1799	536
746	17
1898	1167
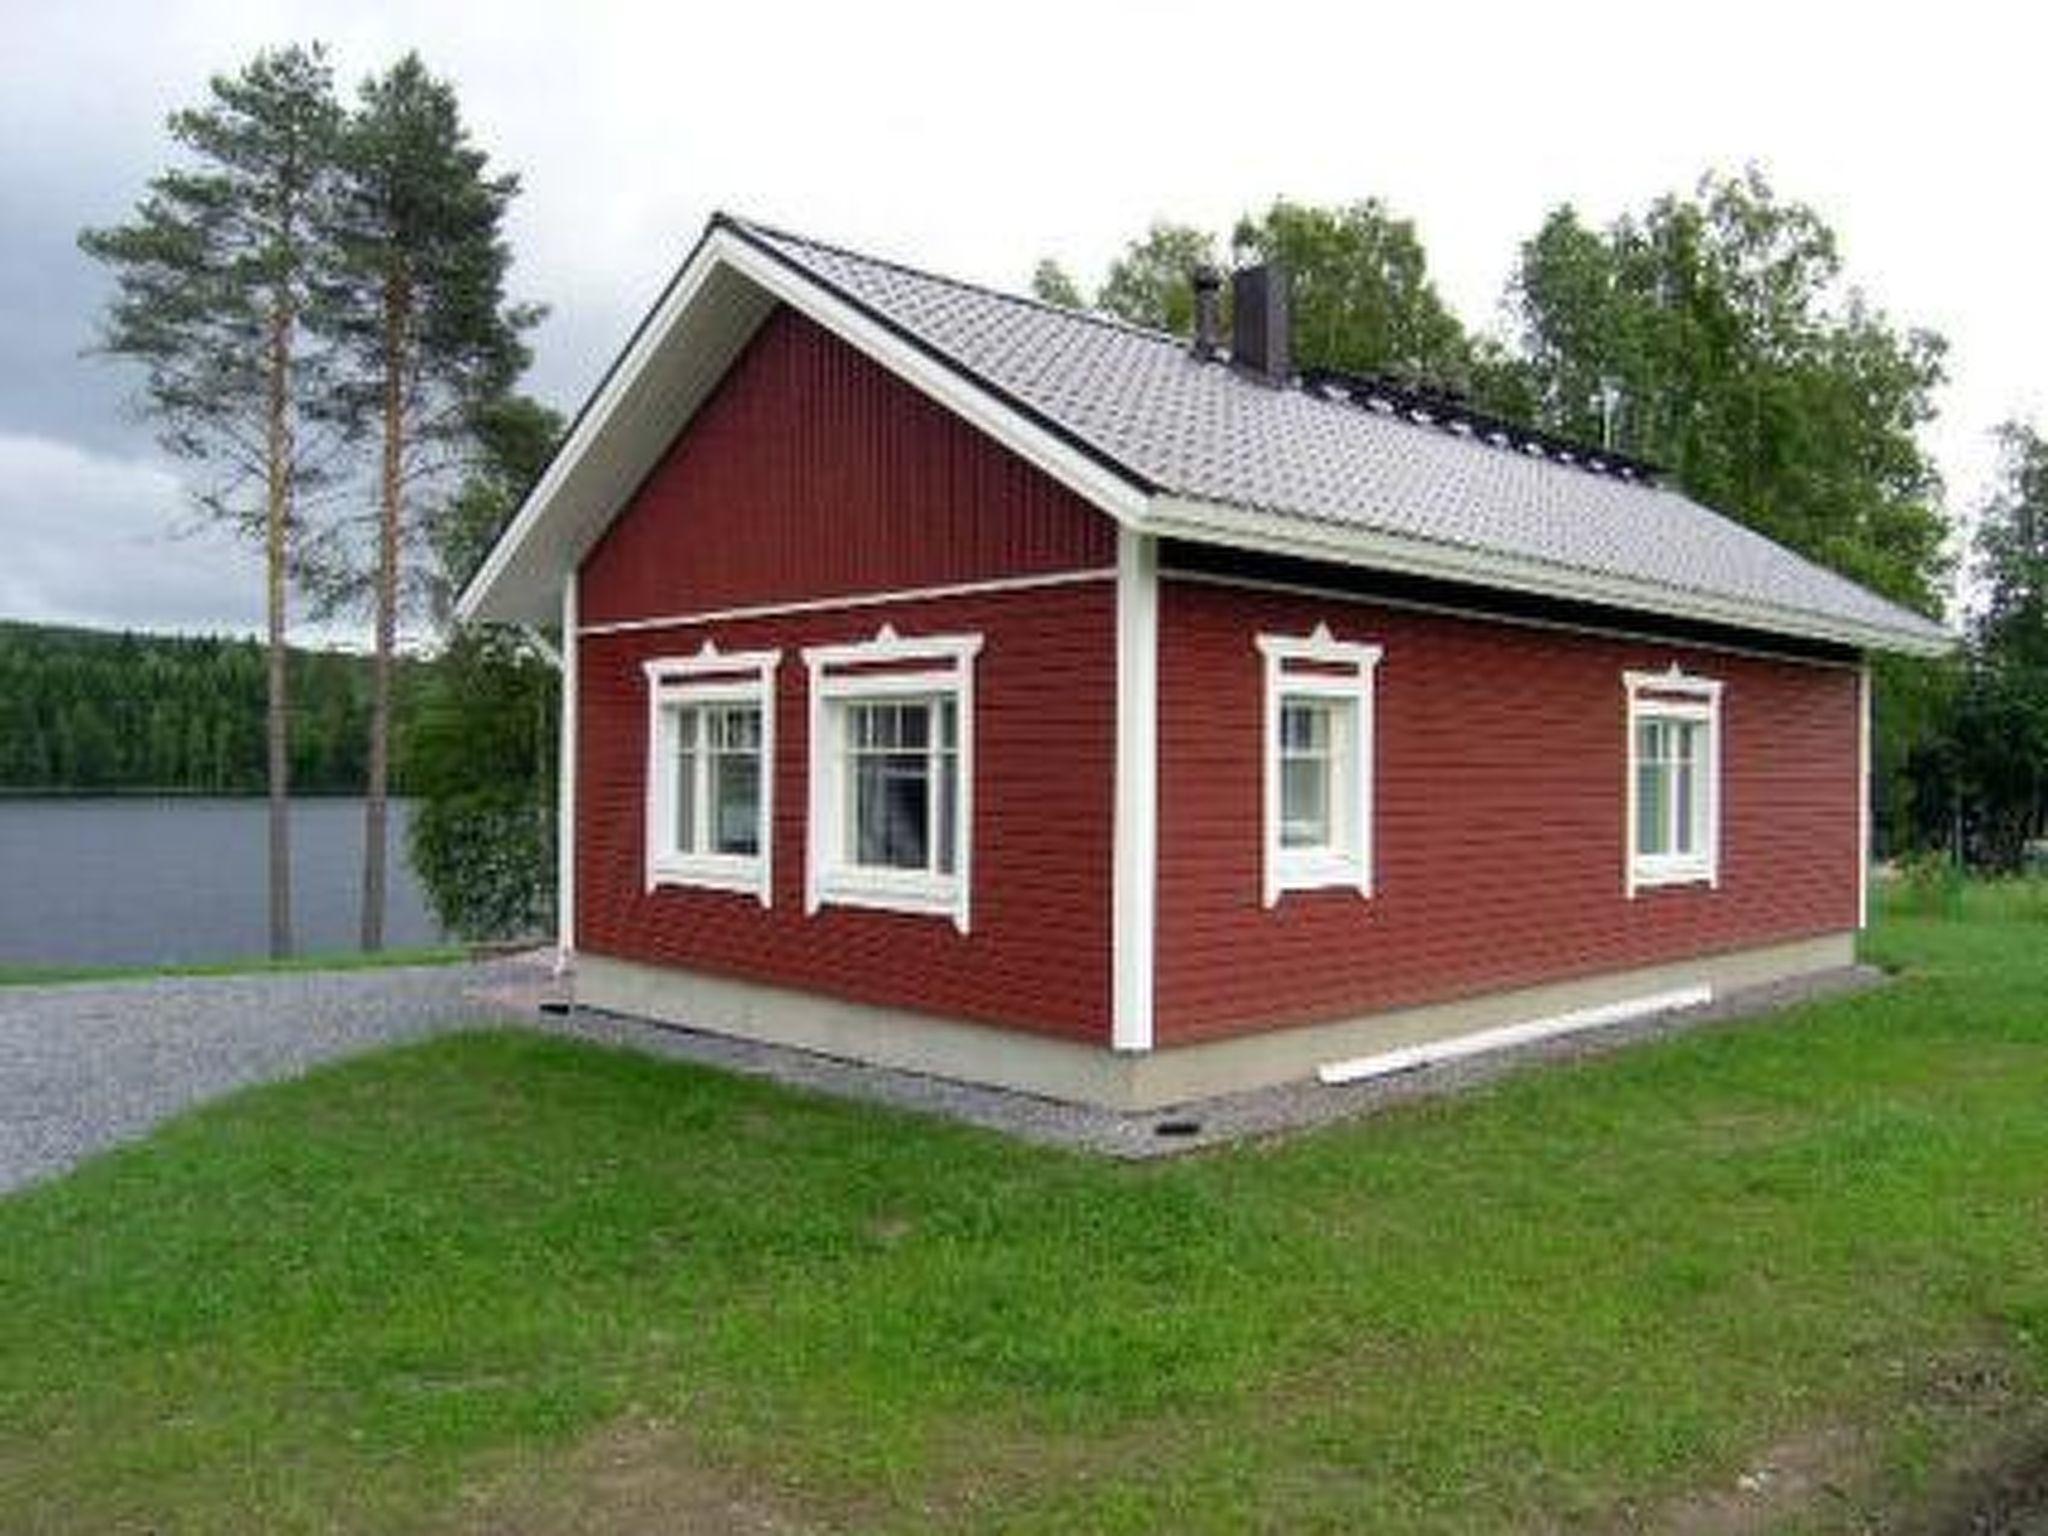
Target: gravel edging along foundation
1180	1129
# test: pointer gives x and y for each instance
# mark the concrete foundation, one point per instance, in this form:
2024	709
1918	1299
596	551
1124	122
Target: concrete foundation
1083	1074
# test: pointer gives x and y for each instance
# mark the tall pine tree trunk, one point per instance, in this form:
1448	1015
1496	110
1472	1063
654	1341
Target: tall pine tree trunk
277	529
397	301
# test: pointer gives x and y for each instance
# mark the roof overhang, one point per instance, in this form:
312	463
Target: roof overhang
727	288
1208	522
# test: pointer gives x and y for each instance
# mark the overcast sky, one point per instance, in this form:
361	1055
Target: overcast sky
975	139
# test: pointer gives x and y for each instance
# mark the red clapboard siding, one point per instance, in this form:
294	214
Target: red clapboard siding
1038	955
1501	774
814	472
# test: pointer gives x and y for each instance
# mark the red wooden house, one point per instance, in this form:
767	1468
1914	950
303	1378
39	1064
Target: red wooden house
994	690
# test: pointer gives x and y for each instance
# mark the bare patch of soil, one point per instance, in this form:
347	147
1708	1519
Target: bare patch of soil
1805	1475
635	1477
1992	1479
2003	1493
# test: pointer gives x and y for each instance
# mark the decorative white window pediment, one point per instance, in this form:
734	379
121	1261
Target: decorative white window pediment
1318	763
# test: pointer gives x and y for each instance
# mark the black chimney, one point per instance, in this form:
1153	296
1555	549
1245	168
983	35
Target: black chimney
1259	322
1208	285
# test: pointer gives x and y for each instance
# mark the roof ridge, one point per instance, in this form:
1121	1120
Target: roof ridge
1309	383
1003	295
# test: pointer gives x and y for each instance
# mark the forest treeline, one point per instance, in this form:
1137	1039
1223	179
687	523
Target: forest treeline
93	711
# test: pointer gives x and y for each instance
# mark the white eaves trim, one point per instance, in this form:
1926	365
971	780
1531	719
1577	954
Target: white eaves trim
892	596
591	425
1207	522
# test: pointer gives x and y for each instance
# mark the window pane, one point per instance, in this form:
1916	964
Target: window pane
684	832
1316	747
1650	741
891	794
889	785
1683	810
736	794
686	796
1652	809
1304	727
949	807
1305	802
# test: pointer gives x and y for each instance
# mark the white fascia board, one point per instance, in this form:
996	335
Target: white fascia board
653	336
1208	522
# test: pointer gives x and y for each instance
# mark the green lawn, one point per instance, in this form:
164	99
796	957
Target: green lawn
499	1282
351	960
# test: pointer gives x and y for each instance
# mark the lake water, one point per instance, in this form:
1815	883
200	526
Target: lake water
174	881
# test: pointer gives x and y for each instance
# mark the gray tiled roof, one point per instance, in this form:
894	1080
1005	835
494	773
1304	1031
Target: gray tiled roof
1138	400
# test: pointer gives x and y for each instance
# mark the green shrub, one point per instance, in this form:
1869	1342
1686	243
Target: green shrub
479	757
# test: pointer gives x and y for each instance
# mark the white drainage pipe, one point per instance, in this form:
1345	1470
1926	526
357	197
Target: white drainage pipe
1409	1057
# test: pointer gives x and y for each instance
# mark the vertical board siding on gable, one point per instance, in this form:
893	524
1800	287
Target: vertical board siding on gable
1501	774
1038	955
813	472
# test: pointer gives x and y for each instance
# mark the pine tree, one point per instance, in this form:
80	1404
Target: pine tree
420	310
214	280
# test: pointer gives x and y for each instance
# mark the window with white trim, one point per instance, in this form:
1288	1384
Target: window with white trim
711	770
1674	771
892	774
1318	763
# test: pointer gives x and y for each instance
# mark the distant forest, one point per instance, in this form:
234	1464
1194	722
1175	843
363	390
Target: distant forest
88	710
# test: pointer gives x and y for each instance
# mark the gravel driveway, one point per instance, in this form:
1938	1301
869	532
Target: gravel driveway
84	1066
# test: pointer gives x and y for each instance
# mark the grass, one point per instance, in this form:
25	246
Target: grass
350	960
504	1282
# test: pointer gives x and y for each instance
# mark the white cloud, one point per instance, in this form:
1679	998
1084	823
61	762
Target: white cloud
109	542
974	139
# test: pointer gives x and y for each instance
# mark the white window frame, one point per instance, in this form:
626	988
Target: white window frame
921	667
1679	698
1341	671
676	683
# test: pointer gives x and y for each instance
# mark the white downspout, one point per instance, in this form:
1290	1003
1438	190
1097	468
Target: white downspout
565	777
